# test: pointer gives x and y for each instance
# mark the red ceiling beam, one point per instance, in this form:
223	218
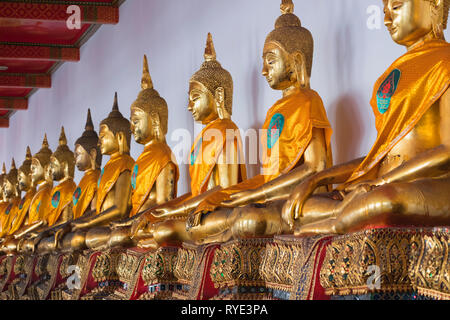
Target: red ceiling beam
12	51
101	13
4	122
7	103
17	80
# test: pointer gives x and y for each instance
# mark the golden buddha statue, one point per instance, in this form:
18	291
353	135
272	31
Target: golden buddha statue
88	159
296	144
3	202
11	193
62	163
155	173
215	162
41	179
40	204
25	185
113	197
405	178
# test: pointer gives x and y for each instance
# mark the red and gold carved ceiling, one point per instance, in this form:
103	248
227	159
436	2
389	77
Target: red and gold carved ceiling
35	41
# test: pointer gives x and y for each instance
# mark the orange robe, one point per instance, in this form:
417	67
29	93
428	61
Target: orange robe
3	207
208	148
109	175
84	193
286	134
11	212
40	204
24	207
61	197
401	96
146	170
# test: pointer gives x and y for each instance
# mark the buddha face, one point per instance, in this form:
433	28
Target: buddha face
277	66
82	158
24	181
108	141
141	126
201	103
56	169
408	21
8	189
37	171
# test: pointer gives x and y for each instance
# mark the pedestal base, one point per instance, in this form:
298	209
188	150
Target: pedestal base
291	266
192	270
388	263
235	270
146	274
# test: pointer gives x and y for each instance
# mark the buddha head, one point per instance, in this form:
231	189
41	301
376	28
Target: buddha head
11	182
115	132
210	89
62	161
2	179
87	150
40	162
288	52
410	21
25	182
149	113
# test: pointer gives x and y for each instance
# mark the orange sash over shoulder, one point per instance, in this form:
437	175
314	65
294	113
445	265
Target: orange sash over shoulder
402	95
40	204
109	175
10	213
146	170
3	207
61	197
24	207
85	192
287	132
209	146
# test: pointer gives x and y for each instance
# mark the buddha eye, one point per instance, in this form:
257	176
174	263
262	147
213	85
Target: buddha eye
397	5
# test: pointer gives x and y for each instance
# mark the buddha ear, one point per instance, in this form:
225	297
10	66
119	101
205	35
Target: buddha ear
93	154
156	124
123	147
300	70
66	168
437	14
219	97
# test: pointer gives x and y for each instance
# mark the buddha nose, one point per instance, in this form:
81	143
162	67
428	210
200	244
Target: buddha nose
387	19
264	71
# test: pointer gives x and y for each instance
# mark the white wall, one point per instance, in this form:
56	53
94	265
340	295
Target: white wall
348	59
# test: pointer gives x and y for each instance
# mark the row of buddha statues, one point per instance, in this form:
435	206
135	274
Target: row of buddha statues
404	180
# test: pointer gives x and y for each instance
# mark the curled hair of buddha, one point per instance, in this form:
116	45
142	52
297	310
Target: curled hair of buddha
26	165
149	100
116	122
89	139
64	154
43	155
213	76
291	36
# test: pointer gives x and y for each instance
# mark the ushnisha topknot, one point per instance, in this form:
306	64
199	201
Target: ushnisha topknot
291	36
89	139
26	165
44	154
116	122
149	100
213	76
12	175
64	154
